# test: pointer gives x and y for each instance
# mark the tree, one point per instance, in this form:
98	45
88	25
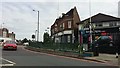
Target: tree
24	40
46	38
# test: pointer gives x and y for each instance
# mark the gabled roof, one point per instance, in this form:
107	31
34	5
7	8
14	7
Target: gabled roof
69	13
102	18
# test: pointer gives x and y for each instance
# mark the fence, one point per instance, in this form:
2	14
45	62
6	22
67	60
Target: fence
56	46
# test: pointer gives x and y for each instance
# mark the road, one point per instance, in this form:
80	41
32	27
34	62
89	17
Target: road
23	57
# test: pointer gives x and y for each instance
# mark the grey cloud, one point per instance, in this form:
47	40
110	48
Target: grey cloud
23	21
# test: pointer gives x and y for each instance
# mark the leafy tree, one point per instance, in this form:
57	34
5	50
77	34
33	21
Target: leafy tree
24	40
46	38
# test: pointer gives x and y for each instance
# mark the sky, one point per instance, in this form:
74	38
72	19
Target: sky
18	15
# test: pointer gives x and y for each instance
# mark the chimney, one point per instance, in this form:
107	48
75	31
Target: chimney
63	14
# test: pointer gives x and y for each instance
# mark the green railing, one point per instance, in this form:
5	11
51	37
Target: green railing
56	46
74	48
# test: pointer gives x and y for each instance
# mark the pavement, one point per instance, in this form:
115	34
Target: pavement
106	58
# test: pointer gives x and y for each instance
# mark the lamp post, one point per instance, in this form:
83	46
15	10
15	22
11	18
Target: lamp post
90	24
37	25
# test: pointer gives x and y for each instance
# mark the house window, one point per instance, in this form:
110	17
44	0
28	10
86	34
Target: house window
69	24
99	25
118	23
56	29
68	39
63	25
53	31
4	34
113	24
87	26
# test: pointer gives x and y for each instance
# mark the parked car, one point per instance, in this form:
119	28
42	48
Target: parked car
104	44
103	41
9	44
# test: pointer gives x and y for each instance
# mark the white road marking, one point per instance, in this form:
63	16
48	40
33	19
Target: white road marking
6	65
11	63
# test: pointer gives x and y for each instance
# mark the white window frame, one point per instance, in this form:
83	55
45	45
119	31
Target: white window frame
69	24
63	25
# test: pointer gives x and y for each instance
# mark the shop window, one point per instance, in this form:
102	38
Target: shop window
99	25
113	24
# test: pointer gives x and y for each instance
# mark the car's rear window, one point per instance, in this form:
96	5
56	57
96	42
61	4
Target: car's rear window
105	37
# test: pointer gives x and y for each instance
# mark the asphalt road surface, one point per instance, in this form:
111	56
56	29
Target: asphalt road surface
23	57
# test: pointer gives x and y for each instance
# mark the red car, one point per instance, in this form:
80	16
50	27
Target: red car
9	45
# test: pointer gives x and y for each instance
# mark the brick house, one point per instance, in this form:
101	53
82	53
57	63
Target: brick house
0	32
4	32
12	35
65	29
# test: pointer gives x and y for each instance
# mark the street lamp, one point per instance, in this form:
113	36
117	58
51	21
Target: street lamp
37	25
90	25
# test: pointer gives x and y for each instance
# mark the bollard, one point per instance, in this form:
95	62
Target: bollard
96	52
116	55
119	61
80	48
